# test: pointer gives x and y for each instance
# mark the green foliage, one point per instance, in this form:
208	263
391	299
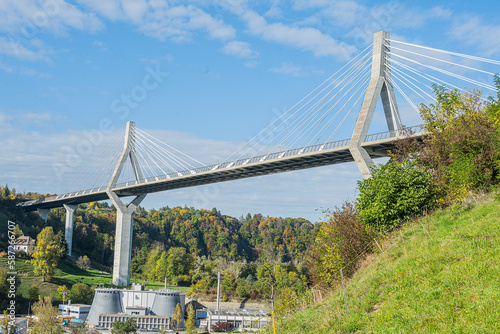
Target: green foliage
81	293
493	108
45	314
127	327
437	275
47	253
191	320
339	243
34	293
393	193
5	288
462	149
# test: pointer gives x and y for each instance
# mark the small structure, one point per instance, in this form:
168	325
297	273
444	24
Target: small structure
244	319
25	244
80	311
20	323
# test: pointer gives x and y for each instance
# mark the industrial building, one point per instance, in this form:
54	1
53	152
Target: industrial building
244	319
80	311
150	309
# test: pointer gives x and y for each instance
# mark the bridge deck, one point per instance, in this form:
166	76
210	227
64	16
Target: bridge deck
336	152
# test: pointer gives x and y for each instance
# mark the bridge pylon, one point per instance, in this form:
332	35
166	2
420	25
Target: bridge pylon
380	85
124	212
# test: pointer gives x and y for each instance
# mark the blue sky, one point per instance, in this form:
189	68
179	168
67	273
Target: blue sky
224	70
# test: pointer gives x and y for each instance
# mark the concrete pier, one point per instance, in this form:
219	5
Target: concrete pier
68	231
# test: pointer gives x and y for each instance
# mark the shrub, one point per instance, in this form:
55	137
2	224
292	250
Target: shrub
393	193
83	262
338	243
222	326
462	149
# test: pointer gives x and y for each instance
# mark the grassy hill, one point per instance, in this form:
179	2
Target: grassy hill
437	275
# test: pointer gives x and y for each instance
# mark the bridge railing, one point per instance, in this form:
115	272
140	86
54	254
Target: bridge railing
240	162
405	131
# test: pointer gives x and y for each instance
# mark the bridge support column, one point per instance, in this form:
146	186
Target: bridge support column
44	213
68	231
123	238
124	213
380	85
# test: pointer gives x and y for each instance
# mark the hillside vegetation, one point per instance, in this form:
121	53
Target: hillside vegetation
439	274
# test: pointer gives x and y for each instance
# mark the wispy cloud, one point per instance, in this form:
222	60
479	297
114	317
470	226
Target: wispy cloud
305	38
295	70
239	49
471	30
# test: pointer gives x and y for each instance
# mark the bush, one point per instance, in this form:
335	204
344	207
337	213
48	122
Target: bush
83	262
222	326
395	192
338	243
462	149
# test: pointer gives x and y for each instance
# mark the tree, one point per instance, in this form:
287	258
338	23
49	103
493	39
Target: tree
17	231
6	326
191	320
47	253
34	293
45	315
339	242
62	293
81	293
83	262
127	327
177	317
393	193
462	149
179	262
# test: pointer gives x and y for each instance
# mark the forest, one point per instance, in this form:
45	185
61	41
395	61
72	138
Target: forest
187	246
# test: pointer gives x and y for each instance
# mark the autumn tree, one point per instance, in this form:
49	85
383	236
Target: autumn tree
6	326
338	245
45	315
191	320
62	293
47	253
177	317
83	262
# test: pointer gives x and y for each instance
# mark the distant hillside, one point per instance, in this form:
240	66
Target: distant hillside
438	275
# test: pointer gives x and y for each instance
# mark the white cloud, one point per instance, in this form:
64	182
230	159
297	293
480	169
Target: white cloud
305	38
239	49
34	50
471	30
178	23
294	70
27	18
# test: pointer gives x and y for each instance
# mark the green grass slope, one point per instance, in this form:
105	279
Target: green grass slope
438	275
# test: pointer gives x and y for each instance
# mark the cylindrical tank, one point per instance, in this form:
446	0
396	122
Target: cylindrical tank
106	301
165	303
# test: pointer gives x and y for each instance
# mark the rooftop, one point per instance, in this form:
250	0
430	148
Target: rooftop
239	312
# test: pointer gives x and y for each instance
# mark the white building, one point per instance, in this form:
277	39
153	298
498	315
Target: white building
25	244
80	311
242	319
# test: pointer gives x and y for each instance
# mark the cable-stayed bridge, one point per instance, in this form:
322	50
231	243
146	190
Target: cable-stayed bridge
399	74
